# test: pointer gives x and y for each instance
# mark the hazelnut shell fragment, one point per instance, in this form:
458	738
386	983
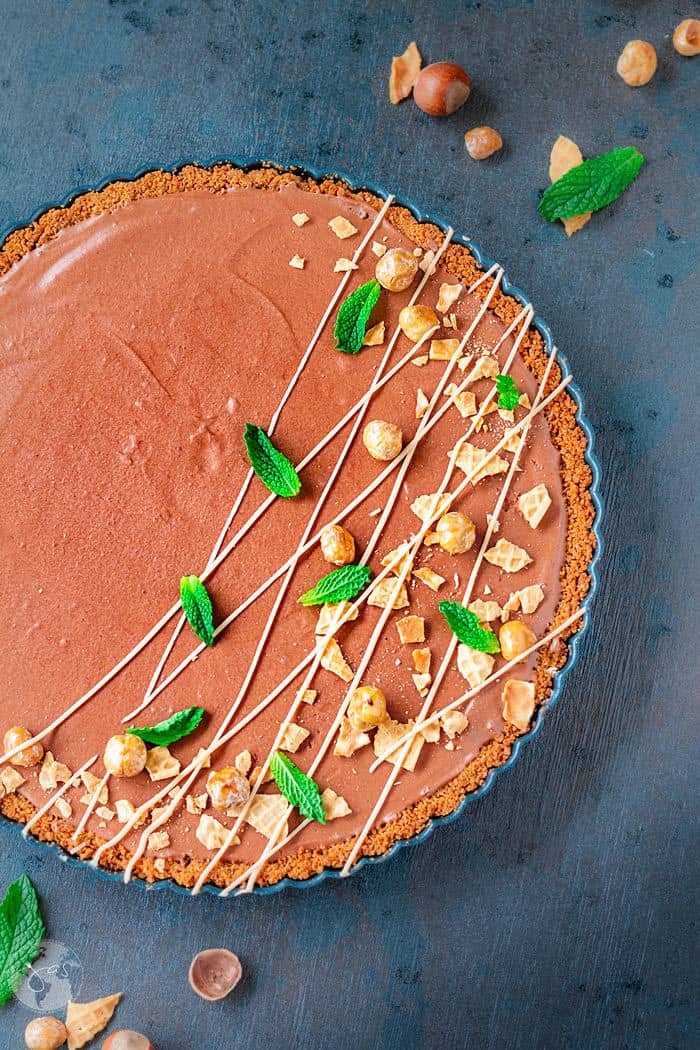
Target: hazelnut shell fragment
686	37
127	1039
214	973
441	88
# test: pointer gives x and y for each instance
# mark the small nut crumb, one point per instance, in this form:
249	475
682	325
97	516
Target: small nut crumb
421	660
334	806
422	403
243	761
443	349
158	840
518	703
422	682
429	578
349	740
448	296
637	63
396	270
297	262
482	142
161	765
293	737
378	249
686	37
382	440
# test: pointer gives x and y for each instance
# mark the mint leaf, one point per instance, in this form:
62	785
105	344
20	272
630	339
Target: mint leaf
353	315
338	586
196	605
21	930
592	185
179	725
274	470
298	789
508	393
465	625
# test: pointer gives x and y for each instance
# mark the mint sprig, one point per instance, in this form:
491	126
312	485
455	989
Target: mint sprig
299	789
353	315
508	393
21	931
591	185
465	625
338	586
172	729
272	467
197	607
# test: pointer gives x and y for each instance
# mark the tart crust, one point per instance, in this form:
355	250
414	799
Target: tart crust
567	436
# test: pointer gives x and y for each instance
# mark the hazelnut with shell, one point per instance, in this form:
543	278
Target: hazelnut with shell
45	1033
214	973
441	88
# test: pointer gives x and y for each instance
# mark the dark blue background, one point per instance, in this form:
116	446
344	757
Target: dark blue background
559	911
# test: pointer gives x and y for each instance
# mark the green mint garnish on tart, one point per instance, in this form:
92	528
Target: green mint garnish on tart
353	315
299	789
591	185
508	393
272	467
179	725
338	586
197	607
465	625
21	931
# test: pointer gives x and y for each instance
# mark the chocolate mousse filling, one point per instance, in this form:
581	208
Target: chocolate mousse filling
141	328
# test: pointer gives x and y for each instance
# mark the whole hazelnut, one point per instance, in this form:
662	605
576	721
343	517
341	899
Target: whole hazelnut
455	532
226	788
214	973
28	756
481	142
367	708
416	321
637	63
337	545
45	1033
441	88
126	1039
125	755
396	269
382	440
686	37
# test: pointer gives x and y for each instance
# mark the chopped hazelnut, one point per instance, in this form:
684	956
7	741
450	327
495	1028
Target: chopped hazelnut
441	88
456	532
382	440
227	787
515	638
337	545
411	629
443	349
125	755
421	660
28	756
416	321
686	37
367	708
396	270
637	63
45	1033
482	142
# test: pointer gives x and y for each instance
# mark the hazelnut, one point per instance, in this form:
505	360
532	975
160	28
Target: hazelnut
441	88
481	142
396	270
415	321
227	787
455	532
214	973
637	63
45	1033
28	756
126	1039
515	637
382	440
337	545
686	37
367	708
125	755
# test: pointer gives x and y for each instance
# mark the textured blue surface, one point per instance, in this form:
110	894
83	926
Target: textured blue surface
559	911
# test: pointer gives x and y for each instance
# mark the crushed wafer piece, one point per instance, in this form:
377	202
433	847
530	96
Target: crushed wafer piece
443	349
293	737
86	1020
205	758
422	404
533	505
508	556
126	811
332	613
486	611
309	696
332	658
530	598
431	506
381	592
343	265
161	765
429	578
524	402
212	833
91	784
105	813
11	779
448	296
566	155
427	260
342	227
349	740
391	731
421	360
158	840
64	808
470	460
196	804
267	778
297	262
159	865
518	702
421	682
374	336
431	733
486	367
506	414
453	722
265	813
334	806
242	762
404	73
421	660
379	249
300	218
465	402
473	665
493	523
411	629
431	539
53	773
513	441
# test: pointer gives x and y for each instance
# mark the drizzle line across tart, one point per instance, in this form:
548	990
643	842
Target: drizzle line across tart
141	327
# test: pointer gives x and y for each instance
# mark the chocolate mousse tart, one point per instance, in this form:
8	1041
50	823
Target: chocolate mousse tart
297	525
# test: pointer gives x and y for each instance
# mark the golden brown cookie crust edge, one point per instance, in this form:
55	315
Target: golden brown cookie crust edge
568	437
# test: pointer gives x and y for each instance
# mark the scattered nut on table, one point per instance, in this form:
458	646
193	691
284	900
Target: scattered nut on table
45	1033
126	1039
686	37
441	88
637	63
482	142
214	973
